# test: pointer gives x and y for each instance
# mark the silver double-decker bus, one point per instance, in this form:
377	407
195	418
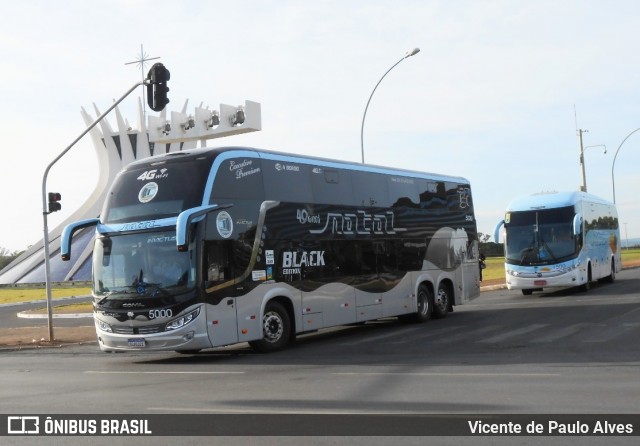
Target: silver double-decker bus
212	247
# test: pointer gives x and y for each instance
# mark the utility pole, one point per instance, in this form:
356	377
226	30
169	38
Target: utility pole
583	184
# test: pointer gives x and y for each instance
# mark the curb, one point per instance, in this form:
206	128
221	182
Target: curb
500	286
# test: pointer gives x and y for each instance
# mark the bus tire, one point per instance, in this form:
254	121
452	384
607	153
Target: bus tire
611	277
442	302
276	329
425	304
587	285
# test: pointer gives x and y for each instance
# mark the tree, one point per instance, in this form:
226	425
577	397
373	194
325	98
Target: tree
489	249
7	256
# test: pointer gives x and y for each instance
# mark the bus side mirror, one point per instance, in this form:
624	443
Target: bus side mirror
67	235
577	225
496	231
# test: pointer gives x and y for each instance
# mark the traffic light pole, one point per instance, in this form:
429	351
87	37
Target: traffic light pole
45	209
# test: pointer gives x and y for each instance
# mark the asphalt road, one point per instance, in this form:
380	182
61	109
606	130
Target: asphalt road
504	353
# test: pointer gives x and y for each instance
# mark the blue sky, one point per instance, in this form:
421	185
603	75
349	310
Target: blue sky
495	94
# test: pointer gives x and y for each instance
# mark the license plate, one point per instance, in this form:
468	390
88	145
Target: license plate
136	342
539	282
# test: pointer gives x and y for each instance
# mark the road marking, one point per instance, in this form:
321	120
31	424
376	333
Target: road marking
427	334
611	333
513	333
562	333
448	374
470	334
100	372
382	336
296	411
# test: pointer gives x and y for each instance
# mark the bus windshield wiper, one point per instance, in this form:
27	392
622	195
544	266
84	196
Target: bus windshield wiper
545	246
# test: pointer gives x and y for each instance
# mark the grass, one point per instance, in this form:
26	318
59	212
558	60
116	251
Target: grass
630	255
26	294
494	269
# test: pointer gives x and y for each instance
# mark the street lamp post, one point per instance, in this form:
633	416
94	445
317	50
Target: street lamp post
409	54
613	184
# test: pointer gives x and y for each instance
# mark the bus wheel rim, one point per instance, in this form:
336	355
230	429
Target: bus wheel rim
272	327
442	300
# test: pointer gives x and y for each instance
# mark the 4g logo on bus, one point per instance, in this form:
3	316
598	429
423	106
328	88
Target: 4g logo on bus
154	173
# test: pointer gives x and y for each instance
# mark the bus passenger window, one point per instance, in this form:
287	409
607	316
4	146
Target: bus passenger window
217	263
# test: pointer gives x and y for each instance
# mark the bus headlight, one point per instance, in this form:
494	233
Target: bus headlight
182	320
104	326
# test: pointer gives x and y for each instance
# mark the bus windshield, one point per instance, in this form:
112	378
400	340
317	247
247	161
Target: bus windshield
144	264
540	237
145	193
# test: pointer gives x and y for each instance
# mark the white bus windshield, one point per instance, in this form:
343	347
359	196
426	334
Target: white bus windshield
143	264
540	237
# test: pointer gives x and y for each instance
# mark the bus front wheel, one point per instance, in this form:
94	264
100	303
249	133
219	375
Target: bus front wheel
587	285
276	329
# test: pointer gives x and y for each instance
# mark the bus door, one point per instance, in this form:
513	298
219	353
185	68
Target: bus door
220	293
469	276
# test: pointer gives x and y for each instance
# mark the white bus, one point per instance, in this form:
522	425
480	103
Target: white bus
558	240
211	247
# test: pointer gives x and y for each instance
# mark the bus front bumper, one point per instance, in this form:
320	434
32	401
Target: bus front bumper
526	282
192	336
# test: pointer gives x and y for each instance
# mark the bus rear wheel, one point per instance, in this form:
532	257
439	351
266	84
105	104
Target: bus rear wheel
276	329
611	277
442	302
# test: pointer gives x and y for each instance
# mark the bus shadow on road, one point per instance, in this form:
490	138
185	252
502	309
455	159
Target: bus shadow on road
558	332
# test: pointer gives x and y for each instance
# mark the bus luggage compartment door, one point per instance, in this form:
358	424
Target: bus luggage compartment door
222	325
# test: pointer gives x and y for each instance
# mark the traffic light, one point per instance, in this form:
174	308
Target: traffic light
54	201
157	88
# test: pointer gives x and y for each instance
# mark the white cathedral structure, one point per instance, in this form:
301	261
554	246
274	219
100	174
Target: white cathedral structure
115	148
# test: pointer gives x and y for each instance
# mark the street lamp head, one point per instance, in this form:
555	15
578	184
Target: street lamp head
409	54
412	52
